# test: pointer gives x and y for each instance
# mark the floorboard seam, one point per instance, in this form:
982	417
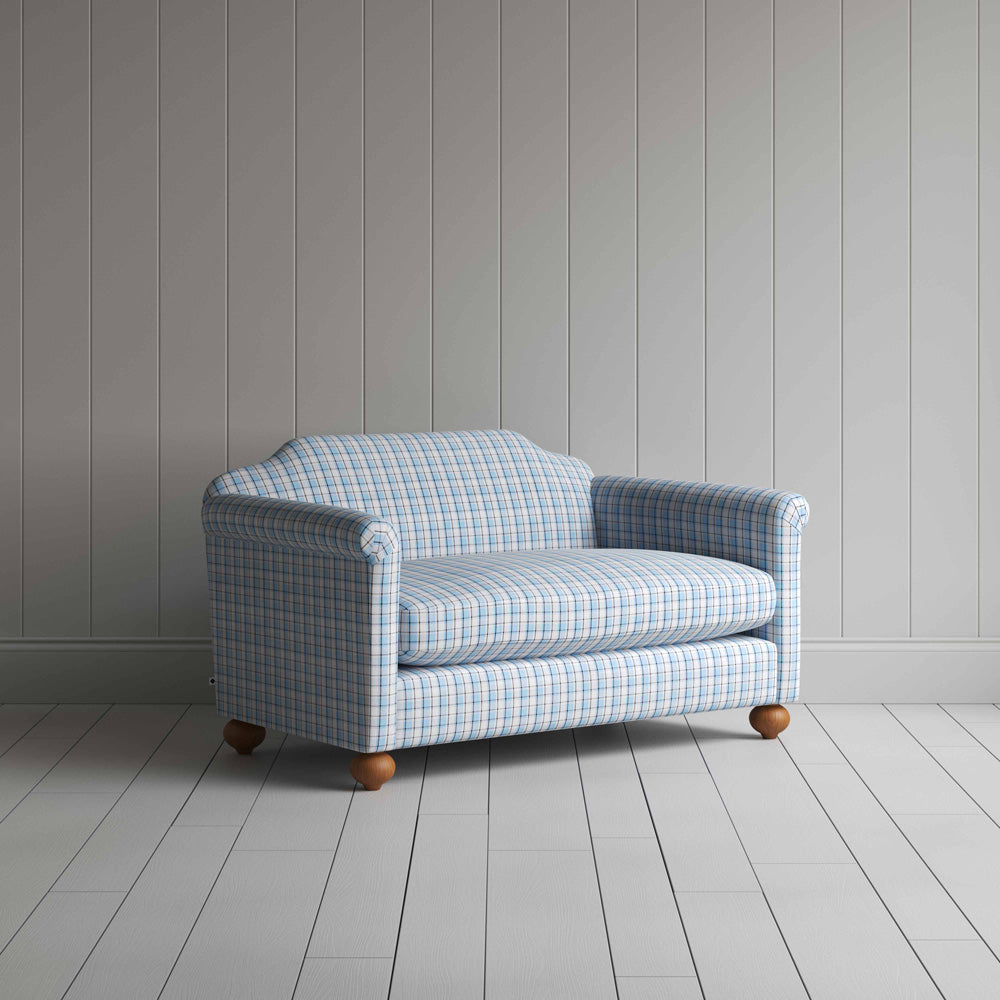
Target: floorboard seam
902	832
97	826
41	778
225	861
326	884
486	895
409	869
593	855
767	902
128	891
666	867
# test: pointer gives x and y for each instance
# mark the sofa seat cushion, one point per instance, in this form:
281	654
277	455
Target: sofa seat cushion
498	606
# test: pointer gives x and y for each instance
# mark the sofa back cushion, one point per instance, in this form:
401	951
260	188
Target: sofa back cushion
447	492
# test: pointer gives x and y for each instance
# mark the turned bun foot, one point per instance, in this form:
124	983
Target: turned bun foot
243	736
372	769
769	720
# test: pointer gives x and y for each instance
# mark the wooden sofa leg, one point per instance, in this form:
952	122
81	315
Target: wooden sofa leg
769	720
373	770
243	736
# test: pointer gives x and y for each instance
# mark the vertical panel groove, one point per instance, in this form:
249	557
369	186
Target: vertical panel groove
771	481
295	218
364	216
909	314
635	220
90	314
704	238
840	553
499	224
226	388
430	195
569	233
156	292
21	338
979	344
988	307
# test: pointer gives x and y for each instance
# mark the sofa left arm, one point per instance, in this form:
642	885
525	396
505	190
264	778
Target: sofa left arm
304	617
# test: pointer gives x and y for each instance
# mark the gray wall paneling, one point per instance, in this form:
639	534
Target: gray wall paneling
261	236
329	217
876	421
670	223
10	316
193	313
943	359
124	350
741	241
397	215
602	279
534	121
56	359
989	316
738	242
807	344
466	222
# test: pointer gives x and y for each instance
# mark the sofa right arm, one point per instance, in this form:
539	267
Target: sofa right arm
304	616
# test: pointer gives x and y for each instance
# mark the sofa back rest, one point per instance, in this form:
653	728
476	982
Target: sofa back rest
447	493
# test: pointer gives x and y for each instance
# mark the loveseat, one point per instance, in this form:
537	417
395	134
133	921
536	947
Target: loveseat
396	590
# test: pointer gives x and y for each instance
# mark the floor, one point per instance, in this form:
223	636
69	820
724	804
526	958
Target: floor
859	857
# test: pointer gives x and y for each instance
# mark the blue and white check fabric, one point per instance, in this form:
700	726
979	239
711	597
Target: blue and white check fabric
472	702
304	613
551	602
306	553
445	492
757	527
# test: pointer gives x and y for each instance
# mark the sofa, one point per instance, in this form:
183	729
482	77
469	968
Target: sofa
384	591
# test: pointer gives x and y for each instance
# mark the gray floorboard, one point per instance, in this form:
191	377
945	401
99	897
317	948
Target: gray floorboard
546	935
669	858
16	720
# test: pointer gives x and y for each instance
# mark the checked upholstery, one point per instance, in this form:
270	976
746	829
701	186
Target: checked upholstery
549	602
378	591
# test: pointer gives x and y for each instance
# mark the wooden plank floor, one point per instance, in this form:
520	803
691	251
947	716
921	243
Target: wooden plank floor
857	857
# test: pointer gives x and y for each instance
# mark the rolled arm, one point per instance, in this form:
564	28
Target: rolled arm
304	617
758	527
312	527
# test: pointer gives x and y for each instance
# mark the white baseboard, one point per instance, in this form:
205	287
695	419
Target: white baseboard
178	670
916	670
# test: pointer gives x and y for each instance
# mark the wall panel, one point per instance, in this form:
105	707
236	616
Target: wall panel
670	221
876	417
329	217
261	239
738	242
944	559
807	341
602	279
125	232
989	317
731	240
56	193
10	316
466	252
192	297
534	354
397	215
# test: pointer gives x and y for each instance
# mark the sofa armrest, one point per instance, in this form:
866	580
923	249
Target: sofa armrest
304	618
312	527
758	527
